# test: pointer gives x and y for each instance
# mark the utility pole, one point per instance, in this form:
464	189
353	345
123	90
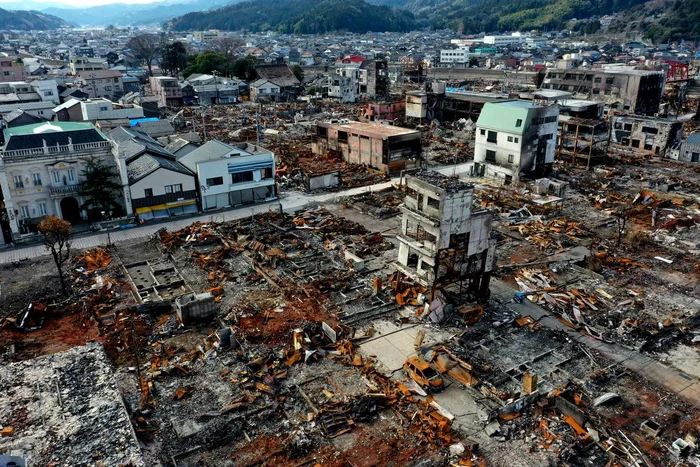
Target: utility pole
204	125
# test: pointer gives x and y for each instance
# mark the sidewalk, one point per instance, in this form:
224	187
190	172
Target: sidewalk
685	386
291	202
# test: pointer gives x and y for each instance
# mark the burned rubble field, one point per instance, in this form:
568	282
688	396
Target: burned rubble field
279	339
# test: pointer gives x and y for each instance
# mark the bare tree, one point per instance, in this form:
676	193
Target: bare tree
228	47
57	233
145	47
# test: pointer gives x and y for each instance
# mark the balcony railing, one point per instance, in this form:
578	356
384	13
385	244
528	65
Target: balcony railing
51	150
64	189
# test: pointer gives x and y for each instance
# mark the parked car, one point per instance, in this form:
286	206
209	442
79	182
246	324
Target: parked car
424	374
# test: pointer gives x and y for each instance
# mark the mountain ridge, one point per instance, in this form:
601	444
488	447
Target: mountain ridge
26	20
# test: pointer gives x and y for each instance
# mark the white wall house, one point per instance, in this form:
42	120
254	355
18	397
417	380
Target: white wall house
232	175
263	89
452	56
514	138
41	167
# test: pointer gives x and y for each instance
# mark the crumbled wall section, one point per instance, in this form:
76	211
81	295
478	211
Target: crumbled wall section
66	410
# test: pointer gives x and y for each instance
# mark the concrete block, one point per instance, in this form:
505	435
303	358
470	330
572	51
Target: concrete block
193	308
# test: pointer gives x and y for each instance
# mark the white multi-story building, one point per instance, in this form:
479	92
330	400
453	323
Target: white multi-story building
204	36
40	171
104	109
232	175
515	137
454	56
502	41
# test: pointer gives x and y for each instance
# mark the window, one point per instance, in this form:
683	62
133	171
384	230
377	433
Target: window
635	143
173	188
550	119
490	155
56	177
108	88
492	137
609	80
242	177
598	80
71	175
342	136
510	139
36	178
25	212
148	192
433	203
104	108
511	158
42	209
18	181
48	93
518	123
548	136
648	129
538	121
516	139
607	92
628	127
596	91
483	132
215	181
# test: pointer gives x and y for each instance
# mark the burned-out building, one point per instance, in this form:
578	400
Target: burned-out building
690	149
435	103
515	137
442	241
649	136
384	147
583	135
630	91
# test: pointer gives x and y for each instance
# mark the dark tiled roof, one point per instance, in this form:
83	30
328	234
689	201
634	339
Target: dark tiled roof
281	75
146	164
157	127
132	142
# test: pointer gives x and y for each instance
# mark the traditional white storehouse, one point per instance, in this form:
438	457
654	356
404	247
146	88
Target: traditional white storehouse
40	167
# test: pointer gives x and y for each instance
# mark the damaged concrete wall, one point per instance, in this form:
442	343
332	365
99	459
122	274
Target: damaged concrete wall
646	135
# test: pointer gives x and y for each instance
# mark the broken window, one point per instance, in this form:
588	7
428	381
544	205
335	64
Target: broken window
492	137
322	131
433	203
596	91
609	80
648	129
628	127
342	136
490	155
242	177
635	143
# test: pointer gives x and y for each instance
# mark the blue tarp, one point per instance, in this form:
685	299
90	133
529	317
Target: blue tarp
134	121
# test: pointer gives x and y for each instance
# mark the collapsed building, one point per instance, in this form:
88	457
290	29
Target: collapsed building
387	148
437	103
442	241
650	136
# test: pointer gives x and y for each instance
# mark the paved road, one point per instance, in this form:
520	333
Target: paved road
292	201
685	386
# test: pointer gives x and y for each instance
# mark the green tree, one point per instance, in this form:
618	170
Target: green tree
57	233
473	61
244	68
298	72
205	62
100	187
174	58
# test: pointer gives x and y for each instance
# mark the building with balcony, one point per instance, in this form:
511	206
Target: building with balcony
390	149
443	243
155	184
515	138
80	64
40	171
167	89
232	175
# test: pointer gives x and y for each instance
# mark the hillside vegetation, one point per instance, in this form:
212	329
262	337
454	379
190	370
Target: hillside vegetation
299	16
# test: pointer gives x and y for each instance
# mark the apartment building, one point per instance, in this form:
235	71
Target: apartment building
206	36
628	91
167	89
80	64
